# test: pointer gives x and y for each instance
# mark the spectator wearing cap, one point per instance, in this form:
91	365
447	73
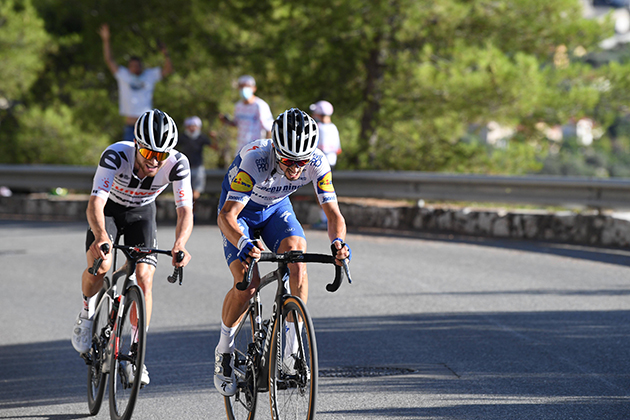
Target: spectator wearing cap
328	142
135	83
191	142
252	115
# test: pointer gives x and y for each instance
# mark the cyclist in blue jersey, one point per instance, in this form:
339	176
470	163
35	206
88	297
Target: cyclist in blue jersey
255	197
128	179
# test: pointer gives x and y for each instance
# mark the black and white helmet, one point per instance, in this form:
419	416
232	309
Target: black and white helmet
295	135
156	130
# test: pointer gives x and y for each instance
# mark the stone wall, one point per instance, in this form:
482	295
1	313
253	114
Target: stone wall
567	227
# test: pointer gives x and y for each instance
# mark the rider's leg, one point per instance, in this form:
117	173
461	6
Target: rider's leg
144	276
298	278
91	284
234	305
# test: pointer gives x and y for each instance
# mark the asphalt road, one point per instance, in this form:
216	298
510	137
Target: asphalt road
431	328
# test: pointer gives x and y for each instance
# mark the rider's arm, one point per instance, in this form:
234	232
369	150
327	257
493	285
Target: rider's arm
336	227
227	221
96	218
183	229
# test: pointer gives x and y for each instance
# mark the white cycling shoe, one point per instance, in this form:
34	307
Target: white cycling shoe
224	377
82	334
131	374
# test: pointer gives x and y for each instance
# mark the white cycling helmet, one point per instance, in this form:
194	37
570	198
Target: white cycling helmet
155	130
295	135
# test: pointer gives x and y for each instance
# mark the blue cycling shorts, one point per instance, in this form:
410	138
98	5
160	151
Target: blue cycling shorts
274	223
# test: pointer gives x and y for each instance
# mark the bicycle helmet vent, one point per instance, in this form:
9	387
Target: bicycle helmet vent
156	130
295	135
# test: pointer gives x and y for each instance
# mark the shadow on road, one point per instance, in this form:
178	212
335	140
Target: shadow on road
543	365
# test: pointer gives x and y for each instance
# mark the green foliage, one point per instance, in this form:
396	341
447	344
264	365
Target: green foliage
409	80
23	43
50	136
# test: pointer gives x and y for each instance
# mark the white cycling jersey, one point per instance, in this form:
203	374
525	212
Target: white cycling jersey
254	176
115	178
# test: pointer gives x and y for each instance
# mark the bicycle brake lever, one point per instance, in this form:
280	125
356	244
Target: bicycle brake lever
346	269
178	274
98	261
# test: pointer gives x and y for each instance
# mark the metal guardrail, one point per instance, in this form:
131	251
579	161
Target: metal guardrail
547	190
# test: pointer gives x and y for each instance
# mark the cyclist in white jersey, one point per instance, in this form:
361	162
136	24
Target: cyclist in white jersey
129	177
255	197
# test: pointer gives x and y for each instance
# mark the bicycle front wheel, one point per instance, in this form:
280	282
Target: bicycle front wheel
293	365
242	405
128	358
97	379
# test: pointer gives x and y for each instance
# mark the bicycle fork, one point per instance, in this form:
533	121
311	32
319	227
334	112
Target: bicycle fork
111	351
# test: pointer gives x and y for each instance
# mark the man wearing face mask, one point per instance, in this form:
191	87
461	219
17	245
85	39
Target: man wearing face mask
191	143
135	83
252	115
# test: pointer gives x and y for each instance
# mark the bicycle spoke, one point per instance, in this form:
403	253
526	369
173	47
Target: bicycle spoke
126	372
242	406
293	375
96	377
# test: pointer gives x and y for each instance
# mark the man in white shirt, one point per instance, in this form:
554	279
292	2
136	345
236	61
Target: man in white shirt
252	115
135	84
328	142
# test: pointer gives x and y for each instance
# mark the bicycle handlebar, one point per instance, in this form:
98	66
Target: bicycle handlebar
298	256
178	272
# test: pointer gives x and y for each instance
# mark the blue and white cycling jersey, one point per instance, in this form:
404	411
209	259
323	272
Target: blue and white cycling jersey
255	180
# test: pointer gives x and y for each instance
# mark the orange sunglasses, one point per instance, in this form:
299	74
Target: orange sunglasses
289	162
150	154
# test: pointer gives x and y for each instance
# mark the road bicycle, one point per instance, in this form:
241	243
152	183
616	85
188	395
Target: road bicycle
118	334
269	355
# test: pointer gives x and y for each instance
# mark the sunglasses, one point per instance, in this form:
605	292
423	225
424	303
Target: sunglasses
150	154
289	162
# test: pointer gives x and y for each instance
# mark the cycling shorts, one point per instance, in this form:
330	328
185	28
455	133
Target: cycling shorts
136	224
274	223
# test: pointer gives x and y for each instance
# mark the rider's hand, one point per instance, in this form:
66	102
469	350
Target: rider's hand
343	250
248	249
95	248
183	262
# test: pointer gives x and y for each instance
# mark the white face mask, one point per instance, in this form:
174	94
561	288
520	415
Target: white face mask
246	92
193	132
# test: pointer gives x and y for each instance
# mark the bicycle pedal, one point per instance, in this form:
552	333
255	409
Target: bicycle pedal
86	358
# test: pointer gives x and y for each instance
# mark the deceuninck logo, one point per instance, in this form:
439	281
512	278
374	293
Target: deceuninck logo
242	182
324	184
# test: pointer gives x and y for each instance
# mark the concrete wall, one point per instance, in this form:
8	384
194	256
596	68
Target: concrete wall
567	227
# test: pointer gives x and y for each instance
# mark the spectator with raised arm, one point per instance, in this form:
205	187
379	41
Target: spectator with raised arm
135	83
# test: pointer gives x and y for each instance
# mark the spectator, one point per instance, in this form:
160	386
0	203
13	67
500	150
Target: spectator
252	115
328	142
135	84
191	143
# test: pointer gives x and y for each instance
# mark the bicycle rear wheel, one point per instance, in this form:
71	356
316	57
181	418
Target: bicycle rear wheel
96	378
293	365
128	361
242	405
